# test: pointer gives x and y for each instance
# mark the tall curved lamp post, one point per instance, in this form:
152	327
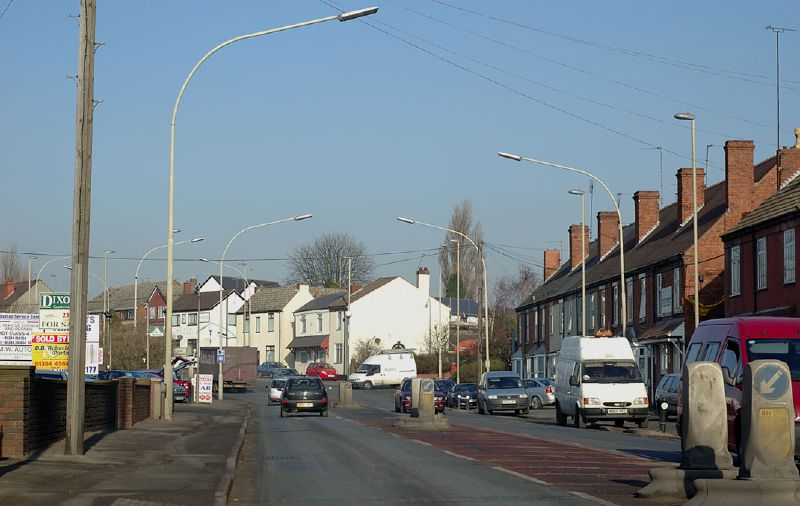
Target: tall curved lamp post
38	274
623	305
483	265
223	314
687	116
582	195
136	276
346	16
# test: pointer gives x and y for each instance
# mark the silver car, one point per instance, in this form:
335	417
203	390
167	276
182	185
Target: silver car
540	391
502	391
276	387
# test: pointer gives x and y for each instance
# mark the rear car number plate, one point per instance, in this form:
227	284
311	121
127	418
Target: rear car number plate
308	405
617	411
509	402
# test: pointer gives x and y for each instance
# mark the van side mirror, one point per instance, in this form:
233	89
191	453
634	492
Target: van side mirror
573	381
727	376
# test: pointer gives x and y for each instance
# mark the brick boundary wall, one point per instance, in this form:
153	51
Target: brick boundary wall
33	411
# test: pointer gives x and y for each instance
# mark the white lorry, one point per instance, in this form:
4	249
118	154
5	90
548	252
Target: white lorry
388	368
597	379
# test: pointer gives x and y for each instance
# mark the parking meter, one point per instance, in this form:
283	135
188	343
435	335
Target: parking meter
767	445
662	416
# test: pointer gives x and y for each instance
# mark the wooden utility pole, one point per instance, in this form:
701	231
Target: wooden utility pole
81	203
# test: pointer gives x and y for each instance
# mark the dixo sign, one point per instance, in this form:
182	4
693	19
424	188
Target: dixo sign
54	301
54	311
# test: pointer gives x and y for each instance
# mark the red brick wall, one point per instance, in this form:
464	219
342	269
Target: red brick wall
575	244
685	191
552	260
607	230
739	174
647	205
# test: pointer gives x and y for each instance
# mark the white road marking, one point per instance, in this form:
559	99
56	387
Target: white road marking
520	475
454	454
421	442
593	498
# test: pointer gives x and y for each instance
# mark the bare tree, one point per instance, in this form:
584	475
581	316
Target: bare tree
323	262
129	348
10	264
363	349
470	272
510	291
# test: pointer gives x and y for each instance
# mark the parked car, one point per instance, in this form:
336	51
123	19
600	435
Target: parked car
50	375
444	385
179	393
323	370
540	392
463	395
389	368
285	372
275	391
735	342
266	369
502	391
402	398
304	394
113	374
177	380
667	391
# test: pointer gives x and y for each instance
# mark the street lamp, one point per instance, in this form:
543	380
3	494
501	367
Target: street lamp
136	276
687	116
345	16
457	242
105	299
582	194
38	274
518	158
30	259
223	316
483	264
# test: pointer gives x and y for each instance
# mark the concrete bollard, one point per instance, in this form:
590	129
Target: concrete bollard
426	406
416	386
704	438
345	393
767	473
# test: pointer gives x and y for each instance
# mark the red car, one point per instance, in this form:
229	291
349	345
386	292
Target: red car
323	370
402	398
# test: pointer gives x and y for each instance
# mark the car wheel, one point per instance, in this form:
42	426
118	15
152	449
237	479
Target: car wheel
323	413
642	424
579	420
536	403
619	423
480	408
561	418
396	407
367	385
283	415
525	412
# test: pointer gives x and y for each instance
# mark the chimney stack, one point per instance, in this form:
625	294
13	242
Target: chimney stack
424	280
575	244
739	179
607	231
188	286
552	260
8	289
647	204
789	162
685	190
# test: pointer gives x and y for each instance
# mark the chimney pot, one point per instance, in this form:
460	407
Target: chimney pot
187	287
647	210
739	178
685	191
8	289
575	244
424	280
607	231
552	260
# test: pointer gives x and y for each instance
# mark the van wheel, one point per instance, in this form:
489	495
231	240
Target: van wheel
619	423
536	403
522	412
642	424
561	418
367	385
396	407
578	420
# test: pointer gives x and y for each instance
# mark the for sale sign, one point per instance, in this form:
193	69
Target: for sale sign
54	311
204	388
50	351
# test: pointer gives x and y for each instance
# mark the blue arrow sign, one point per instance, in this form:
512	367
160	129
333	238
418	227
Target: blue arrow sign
771	382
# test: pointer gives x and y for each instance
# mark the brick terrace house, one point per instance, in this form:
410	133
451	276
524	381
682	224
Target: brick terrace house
760	252
658	269
20	296
150	302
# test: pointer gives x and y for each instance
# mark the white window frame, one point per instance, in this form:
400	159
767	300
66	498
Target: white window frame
269	352
615	304
270	322
676	291
736	270
761	263
579	315
339	318
642	297
789	257
603	308
319	322
629	299
592	311
258	324
338	356
302	324
659	280
561	317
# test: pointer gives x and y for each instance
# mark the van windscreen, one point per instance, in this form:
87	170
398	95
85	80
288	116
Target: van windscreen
611	372
786	350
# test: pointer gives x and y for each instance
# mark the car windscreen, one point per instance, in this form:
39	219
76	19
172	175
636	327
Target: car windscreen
279	384
304	384
503	382
369	369
786	350
611	372
444	385
544	381
466	389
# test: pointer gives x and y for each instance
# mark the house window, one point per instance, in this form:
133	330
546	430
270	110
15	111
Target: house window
592	312
339	355
232	320
303	356
271	322
579	315
246	324
162	312
319	322
536	325
761	263
176	320
303	327
151	311
552	319
561	317
658	295
569	315
523	327
615	304
603	308
183	318
205	317
676	290
736	266
258	324
270	349
339	318
629	299
192	319
642	298
788	256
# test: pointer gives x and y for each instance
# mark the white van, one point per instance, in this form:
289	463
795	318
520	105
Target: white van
597	379
388	368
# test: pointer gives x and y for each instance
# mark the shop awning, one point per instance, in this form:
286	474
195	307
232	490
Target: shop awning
326	342
672	327
309	342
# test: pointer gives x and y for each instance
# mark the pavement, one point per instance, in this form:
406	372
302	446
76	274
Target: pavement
187	461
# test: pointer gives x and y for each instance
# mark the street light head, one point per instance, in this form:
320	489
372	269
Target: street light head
685	116
176	230
109	252
204	260
67	267
455	241
510	156
303	217
198	239
576	192
406	220
347	16
33	257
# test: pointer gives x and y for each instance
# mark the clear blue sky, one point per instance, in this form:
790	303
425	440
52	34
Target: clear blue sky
357	126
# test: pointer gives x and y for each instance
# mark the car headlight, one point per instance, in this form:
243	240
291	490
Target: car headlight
438	398
523	396
591	401
407	398
460	396
640	400
492	397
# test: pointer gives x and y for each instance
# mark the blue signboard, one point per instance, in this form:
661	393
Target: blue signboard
221	356
771	382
